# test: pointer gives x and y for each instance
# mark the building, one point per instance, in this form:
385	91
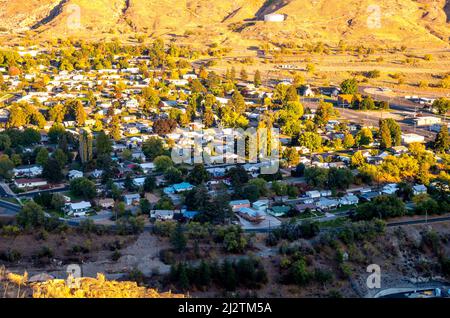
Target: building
27	171
419	189
251	215
426	121
410	138
30	183
78	209
313	194
279	210
349	199
390	188
147	166
261	205
139	182
163	214
303	207
327	204
131	198
236	205
106	203
274	17
73	174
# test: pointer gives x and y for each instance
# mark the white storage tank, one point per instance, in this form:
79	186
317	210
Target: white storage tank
273	17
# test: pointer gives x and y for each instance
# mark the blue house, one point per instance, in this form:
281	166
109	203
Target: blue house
183	186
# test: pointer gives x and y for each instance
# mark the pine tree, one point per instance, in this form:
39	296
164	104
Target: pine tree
442	141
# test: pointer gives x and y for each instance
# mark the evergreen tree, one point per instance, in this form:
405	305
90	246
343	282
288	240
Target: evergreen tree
178	239
385	134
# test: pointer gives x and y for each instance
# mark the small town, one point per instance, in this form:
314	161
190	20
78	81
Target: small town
209	171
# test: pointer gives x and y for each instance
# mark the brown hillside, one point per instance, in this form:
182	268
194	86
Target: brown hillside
409	22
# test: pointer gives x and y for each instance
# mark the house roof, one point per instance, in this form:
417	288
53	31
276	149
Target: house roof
79	205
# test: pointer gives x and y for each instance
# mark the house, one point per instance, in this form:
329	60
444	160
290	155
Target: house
410	138
182	187
390	188
97	173
261	205
349	199
106	203
30	183
189	214
163	214
325	193
312	194
302	207
368	196
327	204
147	166
251	215
419	189
279	210
139	182
426	120
77	209
73	174
236	205
27	171
131	198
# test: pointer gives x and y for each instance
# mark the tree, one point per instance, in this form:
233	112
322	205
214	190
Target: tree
340	178
238	176
317	177
5	142
114	130
442	141
56	132
349	141
291	156
384	206
257	78
198	175
173	175
238	102
103	144
6	167
310	140
149	183
58	201
60	156
243	74
441	105
153	148
31	216
162	163
57	113
85	146
83	187
364	137
324	113
349	86
357	160
164	126
80	114
52	171
42	156
385	134
394	130
208	117
178	239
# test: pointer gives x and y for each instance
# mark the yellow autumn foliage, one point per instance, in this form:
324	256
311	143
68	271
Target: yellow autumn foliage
87	287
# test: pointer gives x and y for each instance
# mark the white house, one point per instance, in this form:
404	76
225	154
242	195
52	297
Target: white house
131	198
75	174
78	209
139	182
327	204
162	214
410	138
147	166
313	194
27	171
30	183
